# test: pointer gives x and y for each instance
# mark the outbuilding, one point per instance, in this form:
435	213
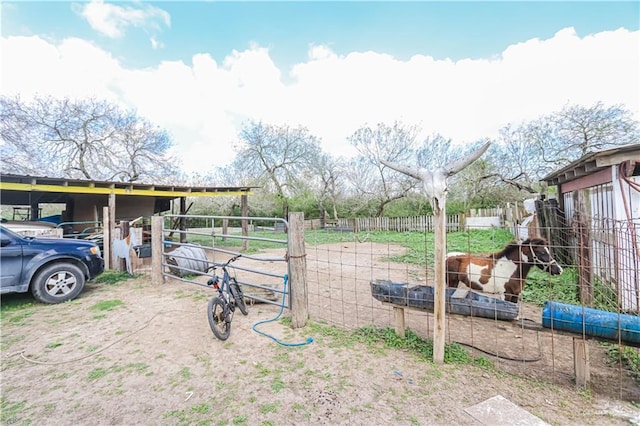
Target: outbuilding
599	199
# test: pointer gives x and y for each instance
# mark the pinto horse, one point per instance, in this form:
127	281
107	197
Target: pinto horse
503	273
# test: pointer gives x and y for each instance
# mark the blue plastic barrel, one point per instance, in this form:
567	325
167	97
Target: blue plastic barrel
591	322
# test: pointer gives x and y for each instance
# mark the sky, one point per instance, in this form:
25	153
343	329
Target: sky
202	70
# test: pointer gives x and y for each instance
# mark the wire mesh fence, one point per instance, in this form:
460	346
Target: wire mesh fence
341	269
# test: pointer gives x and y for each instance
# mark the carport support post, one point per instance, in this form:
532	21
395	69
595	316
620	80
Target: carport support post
183	219
106	237
112	229
157	248
297	271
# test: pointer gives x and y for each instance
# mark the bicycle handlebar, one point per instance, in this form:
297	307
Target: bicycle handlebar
223	266
233	259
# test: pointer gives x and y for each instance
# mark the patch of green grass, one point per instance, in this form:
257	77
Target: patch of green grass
628	356
137	367
15	309
97	373
269	408
15	302
240	420
54	345
541	287
17	318
185	373
585	392
7	341
10	411
277	384
413	420
112	277
262	370
178	414
286	321
203	408
106	305
420	245
373	337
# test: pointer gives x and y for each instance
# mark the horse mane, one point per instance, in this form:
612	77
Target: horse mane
505	252
514	245
536	241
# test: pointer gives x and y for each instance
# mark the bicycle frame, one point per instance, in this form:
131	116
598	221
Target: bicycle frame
223	288
226	277
230	297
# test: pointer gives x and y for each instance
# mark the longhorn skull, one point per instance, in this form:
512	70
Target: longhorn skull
435	182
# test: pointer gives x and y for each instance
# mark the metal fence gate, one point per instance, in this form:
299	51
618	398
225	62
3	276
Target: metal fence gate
194	244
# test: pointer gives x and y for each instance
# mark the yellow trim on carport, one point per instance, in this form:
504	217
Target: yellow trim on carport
11	186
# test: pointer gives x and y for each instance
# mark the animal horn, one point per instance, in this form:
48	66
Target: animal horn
455	166
414	173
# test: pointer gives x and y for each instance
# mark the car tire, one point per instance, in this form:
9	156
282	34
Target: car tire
57	283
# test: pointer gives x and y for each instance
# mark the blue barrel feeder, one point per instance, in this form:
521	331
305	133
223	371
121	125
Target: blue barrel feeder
592	322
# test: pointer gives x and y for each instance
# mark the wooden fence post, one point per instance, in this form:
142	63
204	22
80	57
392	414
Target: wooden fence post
244	202
581	361
225	228
440	285
435	186
157	250
298	271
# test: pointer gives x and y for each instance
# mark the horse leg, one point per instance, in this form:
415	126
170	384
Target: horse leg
512	292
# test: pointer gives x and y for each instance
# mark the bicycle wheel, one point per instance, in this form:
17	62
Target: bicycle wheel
217	315
236	292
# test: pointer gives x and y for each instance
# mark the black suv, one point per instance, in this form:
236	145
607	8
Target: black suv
54	269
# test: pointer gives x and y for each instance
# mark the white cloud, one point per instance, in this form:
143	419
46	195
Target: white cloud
203	103
156	44
112	20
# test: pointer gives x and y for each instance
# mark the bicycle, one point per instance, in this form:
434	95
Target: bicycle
222	307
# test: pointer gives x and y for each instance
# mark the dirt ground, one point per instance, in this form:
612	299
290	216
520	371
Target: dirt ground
138	354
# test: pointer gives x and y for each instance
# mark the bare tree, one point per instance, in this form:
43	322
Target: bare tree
436	151
515	160
326	181
374	181
280	154
526	153
88	139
